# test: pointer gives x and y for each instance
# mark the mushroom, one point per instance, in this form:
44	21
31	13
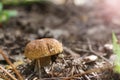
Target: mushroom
41	51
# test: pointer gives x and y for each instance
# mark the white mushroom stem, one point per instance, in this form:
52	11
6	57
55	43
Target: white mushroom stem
40	63
39	69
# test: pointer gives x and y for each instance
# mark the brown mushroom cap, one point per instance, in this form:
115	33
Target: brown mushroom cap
43	48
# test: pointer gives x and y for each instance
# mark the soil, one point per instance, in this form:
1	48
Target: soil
84	31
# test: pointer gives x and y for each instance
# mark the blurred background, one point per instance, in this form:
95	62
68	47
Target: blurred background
65	20
83	19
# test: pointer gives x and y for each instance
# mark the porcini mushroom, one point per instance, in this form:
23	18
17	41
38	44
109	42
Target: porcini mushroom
41	51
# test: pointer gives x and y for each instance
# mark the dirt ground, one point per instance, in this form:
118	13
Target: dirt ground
84	31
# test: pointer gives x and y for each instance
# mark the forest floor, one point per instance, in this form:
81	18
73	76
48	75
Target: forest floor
84	32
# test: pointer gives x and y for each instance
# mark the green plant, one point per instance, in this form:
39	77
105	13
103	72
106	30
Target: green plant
5	15
116	50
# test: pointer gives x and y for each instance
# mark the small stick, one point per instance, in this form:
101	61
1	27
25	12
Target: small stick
74	54
88	78
8	73
10	63
93	52
97	53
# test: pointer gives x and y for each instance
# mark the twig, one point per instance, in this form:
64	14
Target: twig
54	78
10	63
8	73
88	72
74	54
92	51
97	53
81	50
88	78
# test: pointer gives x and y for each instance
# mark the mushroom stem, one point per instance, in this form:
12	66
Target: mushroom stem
40	64
39	69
